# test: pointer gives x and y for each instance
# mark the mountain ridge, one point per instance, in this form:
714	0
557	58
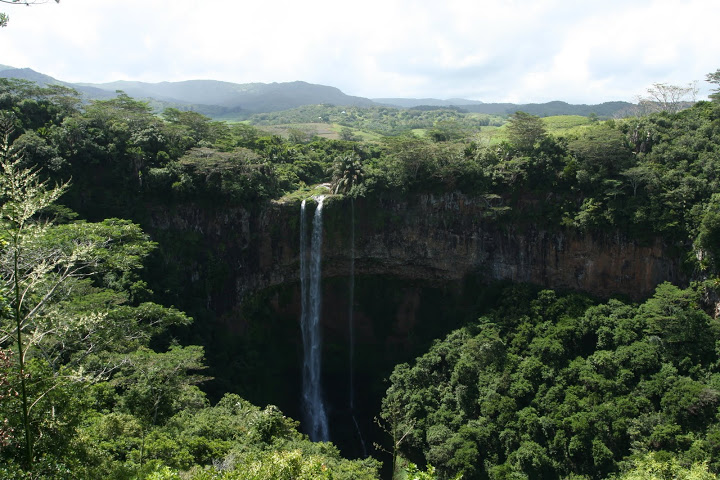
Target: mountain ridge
426	102
253	97
221	99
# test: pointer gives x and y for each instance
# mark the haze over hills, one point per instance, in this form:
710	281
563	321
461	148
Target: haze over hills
421	102
249	97
29	74
227	100
606	109
90	93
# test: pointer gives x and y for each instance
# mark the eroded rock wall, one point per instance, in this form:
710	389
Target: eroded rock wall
420	263
424	237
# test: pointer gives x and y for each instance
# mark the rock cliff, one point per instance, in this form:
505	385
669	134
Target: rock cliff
421	263
434	238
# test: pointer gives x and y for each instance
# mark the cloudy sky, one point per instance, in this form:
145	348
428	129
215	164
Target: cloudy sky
506	50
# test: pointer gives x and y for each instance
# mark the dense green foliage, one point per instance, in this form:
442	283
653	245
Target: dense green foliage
94	385
547	386
650	467
382	120
646	176
393	121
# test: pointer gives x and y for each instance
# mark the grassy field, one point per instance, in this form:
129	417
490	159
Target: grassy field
561	122
324	130
307	131
563	125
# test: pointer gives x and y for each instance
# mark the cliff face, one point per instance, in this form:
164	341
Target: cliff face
448	237
427	237
421	263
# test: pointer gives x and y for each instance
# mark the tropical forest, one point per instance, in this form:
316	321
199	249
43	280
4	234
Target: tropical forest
358	291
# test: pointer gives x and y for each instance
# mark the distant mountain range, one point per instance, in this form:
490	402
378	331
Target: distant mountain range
248	97
425	102
89	93
606	109
226	100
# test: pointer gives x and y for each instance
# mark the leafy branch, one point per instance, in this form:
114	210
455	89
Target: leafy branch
4	18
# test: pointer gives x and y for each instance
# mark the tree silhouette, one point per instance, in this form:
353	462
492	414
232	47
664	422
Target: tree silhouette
4	18
524	130
347	172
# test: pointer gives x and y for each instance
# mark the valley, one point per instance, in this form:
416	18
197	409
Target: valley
495	294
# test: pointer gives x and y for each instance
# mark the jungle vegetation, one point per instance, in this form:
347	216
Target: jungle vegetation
95	384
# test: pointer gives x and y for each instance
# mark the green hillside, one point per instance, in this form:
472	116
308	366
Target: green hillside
150	291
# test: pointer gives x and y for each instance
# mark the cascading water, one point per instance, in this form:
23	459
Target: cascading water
310	276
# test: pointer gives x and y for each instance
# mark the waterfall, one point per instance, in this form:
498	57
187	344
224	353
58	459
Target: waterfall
311	302
351	326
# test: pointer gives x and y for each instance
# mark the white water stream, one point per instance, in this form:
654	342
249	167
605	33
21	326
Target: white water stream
311	305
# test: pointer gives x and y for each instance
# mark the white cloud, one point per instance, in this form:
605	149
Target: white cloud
514	50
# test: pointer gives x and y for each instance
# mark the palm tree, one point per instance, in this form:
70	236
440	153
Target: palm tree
347	172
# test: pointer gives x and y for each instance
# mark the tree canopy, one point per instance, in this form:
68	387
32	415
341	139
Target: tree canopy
549	386
100	376
524	130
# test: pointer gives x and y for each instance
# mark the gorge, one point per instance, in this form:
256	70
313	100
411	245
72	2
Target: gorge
419	264
515	295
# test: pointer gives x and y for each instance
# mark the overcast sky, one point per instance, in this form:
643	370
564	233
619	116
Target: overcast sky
518	51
